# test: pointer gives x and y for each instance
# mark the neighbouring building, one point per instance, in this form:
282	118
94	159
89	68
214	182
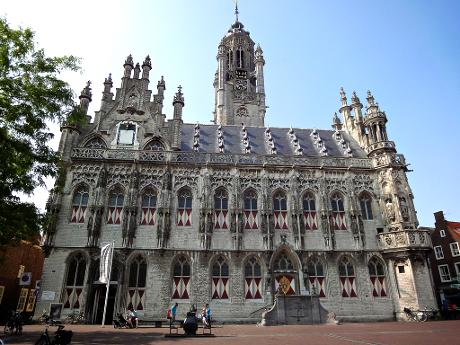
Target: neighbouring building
21	266
445	260
229	212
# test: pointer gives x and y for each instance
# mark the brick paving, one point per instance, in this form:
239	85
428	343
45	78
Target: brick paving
384	333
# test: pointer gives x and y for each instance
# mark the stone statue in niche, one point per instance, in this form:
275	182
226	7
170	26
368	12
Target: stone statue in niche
389	211
167	228
263	223
241	222
324	222
233	222
202	222
167	180
302	223
354	224
294	225
404	209
209	223
160	229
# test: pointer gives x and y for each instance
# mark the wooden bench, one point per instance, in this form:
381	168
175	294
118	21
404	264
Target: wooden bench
158	323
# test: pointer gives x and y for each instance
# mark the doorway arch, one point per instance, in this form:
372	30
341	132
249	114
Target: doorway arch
284	267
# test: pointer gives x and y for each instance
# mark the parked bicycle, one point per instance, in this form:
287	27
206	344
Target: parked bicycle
413	315
61	337
14	324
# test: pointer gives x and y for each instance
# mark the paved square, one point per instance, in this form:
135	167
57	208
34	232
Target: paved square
384	333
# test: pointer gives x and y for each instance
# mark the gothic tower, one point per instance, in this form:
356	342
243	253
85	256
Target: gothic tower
239	80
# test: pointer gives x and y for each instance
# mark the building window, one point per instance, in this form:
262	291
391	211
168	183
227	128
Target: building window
454	249
377	275
438	253
309	212
444	273
280	211
347	278
149	204
442	233
284	263
401	269
250	210
366	207
220	279
2	291
136	286
221	209
75	281
116	199
96	143
315	277
240	58
22	299
457	270
126	133
79	205
338	212
181	279
154	145
252	279
184	210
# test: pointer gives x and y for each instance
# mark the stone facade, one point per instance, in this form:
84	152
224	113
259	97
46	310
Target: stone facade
228	213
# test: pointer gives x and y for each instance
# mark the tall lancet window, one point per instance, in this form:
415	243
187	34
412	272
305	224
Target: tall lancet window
240	58
347	278
137	280
75	281
250	210
280	210
221	209
116	199
79	205
338	212
309	212
377	275
220	279
149	204
184	209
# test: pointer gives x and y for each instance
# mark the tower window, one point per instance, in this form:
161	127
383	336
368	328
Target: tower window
240	58
126	134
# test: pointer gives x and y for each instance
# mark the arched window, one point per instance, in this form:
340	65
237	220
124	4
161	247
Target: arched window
154	145
79	204
136	285
250	210
116	199
309	212
252	279
229	59
76	269
377	275
338	212
220	279
365	202
280	210
149	204
347	278
221	209
181	279
96	143
315	277
184	209
283	263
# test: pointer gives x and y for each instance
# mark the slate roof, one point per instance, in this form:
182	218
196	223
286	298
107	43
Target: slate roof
258	141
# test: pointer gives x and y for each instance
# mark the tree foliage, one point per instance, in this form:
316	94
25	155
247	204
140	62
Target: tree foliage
31	95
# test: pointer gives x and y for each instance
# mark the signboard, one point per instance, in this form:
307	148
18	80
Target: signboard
55	311
48	295
26	278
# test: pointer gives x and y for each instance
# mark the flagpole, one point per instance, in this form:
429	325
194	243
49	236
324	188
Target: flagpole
108	284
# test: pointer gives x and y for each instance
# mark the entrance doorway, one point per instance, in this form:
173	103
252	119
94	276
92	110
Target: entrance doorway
98	303
285	274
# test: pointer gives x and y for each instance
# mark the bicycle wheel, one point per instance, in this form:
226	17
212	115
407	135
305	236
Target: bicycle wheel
421	317
8	330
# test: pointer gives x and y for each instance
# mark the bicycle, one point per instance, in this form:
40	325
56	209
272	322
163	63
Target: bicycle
75	318
419	316
61	337
14	324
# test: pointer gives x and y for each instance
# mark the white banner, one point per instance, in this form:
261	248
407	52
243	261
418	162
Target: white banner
106	252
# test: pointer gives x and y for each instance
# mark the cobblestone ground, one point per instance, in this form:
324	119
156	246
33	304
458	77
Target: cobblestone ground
384	333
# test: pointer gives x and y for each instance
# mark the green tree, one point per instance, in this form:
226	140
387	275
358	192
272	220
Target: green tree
31	96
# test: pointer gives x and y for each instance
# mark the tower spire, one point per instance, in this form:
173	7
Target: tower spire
236	10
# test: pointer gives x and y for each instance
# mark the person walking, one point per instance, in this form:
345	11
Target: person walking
174	312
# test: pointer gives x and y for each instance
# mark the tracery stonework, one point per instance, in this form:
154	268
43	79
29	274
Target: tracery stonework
226	213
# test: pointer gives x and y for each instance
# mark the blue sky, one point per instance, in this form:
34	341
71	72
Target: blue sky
406	52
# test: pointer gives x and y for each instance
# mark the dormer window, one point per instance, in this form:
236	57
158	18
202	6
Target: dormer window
126	134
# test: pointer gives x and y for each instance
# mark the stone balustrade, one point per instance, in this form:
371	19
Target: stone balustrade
405	239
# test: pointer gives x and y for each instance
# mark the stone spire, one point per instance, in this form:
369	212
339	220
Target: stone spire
85	97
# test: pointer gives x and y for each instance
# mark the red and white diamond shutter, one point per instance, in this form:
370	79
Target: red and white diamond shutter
280	211
115	210
79	205
250	210
309	212
221	209
220	279
286	282
149	204
338	213
347	278
181	279
76	270
136	286
316	279
184	210
252	280
377	276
